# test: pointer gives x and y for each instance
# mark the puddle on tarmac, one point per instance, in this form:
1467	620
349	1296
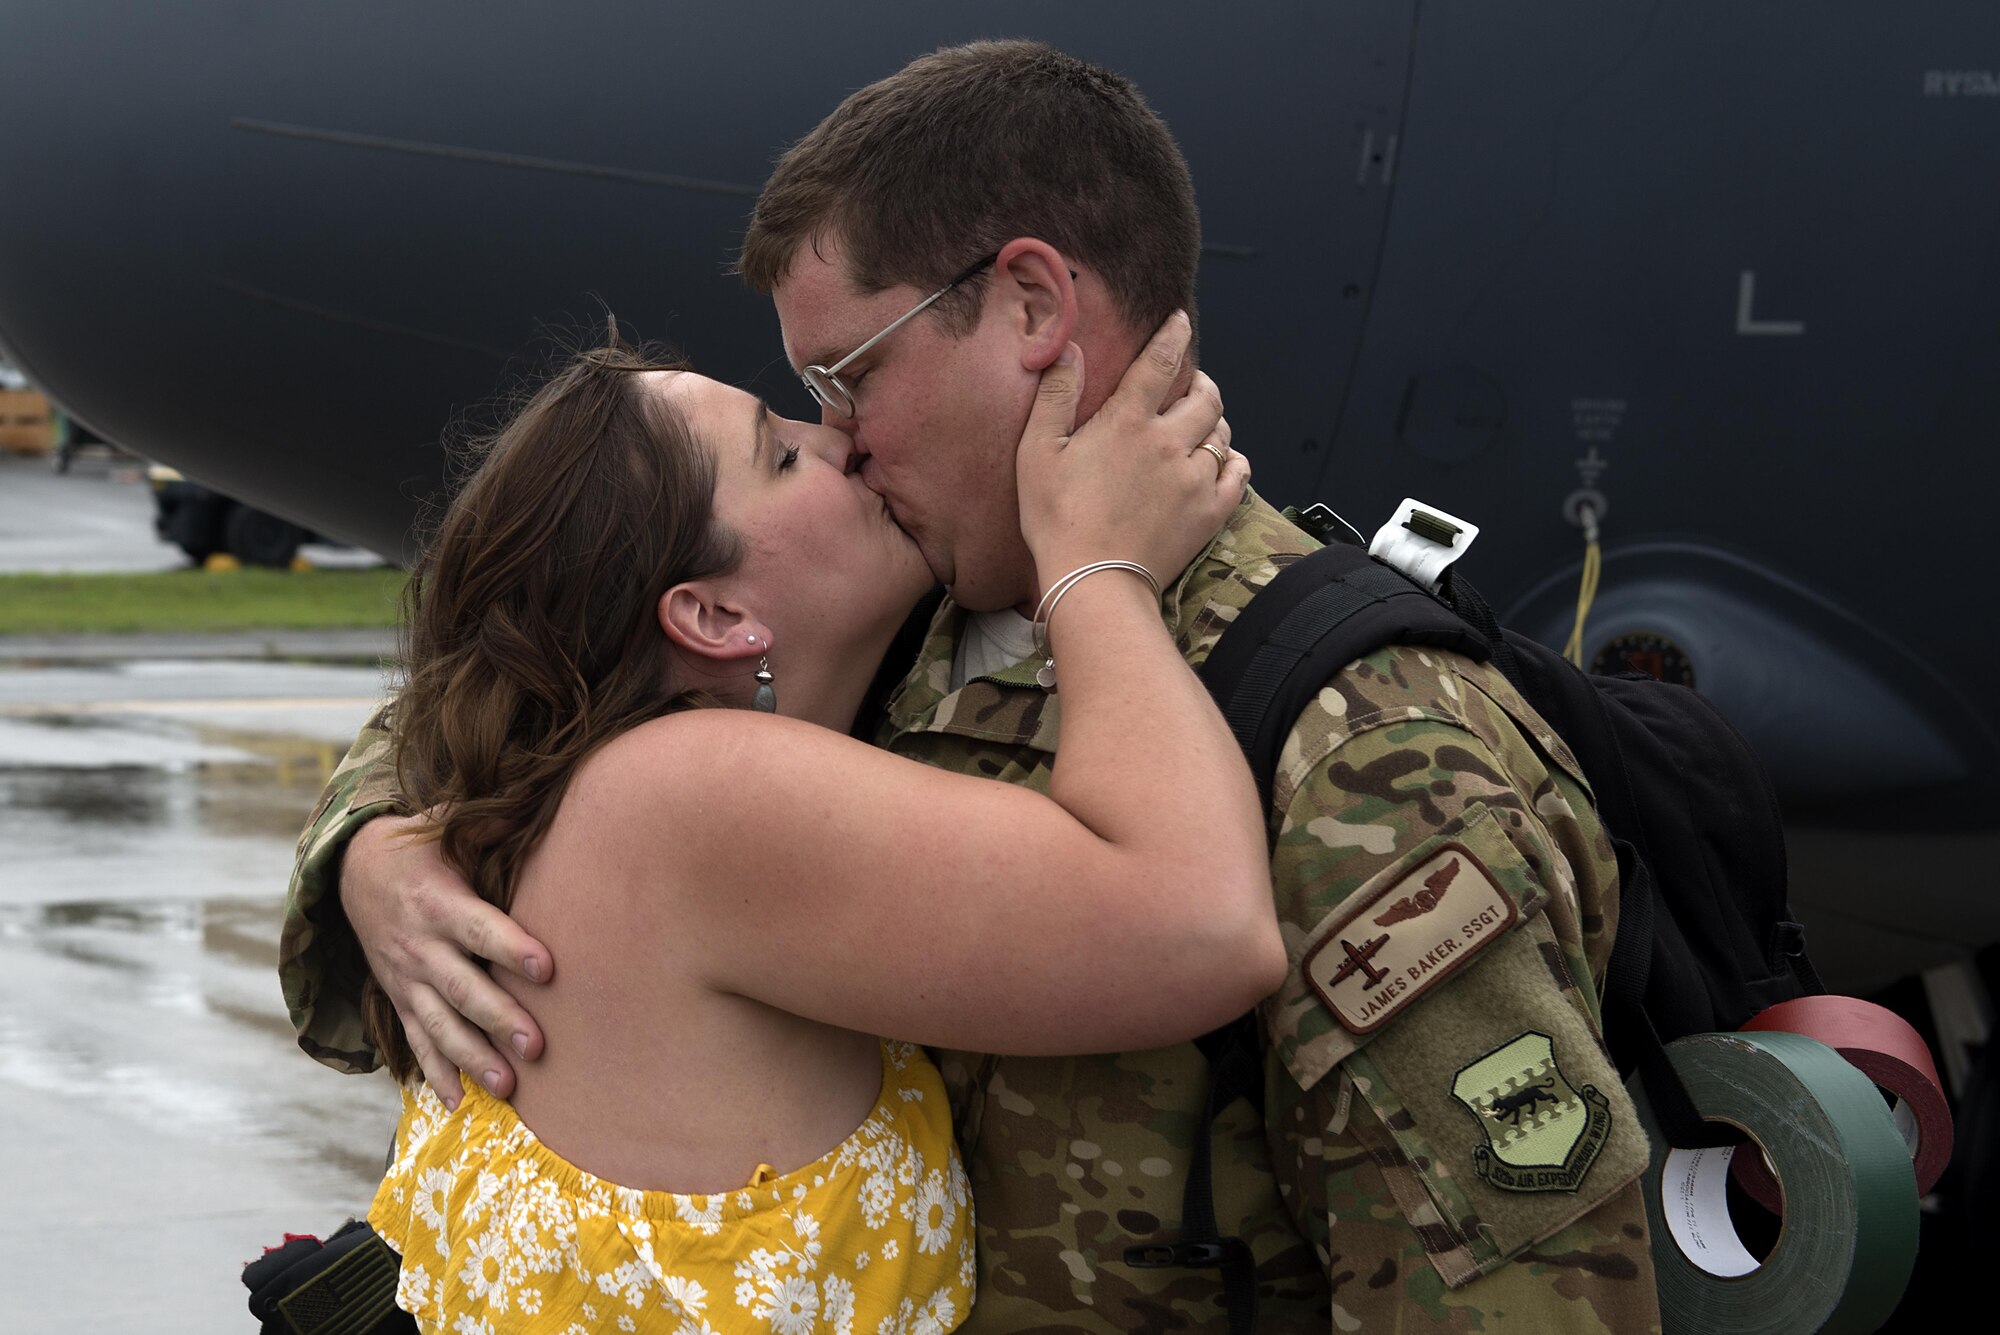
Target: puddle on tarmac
213	826
169	1013
244	931
143	865
124	797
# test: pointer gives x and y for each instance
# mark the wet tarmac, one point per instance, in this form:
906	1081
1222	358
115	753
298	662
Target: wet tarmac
160	1125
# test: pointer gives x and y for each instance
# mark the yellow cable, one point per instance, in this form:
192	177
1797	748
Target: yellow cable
1586	594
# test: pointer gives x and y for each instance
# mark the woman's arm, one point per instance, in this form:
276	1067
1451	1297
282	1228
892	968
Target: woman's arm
1129	908
841	883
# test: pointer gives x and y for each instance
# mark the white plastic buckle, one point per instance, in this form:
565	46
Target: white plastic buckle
1422	541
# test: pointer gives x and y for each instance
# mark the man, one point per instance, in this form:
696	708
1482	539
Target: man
1444	1142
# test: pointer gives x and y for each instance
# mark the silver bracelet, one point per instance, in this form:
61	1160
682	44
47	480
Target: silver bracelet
1045	676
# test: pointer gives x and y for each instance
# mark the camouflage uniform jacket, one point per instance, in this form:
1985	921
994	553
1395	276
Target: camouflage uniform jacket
320	965
1360	1193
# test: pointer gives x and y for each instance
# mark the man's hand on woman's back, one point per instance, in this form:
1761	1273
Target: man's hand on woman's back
424	932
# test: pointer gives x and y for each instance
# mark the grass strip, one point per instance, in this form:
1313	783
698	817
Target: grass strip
253	598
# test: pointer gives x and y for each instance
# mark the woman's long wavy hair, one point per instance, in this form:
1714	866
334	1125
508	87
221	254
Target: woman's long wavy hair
530	629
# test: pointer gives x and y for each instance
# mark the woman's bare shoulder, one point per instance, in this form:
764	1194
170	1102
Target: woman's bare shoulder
690	757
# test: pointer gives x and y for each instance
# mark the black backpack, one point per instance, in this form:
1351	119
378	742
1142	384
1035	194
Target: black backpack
1705	936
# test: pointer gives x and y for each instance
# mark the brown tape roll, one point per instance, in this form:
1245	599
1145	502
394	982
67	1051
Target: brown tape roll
1882	1046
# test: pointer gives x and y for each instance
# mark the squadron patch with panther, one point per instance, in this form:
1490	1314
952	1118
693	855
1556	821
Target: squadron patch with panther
1542	1133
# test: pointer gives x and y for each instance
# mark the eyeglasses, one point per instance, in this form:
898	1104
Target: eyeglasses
825	382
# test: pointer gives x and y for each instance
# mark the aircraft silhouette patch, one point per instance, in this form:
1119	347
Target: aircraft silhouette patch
1542	1133
1389	947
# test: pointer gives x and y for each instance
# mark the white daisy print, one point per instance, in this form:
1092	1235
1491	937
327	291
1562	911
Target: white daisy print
792	1309
706	1217
685	1297
413	1288
531	1243
485	1267
937	1316
878	1197
935	1214
629	1281
898	1321
836	1305
433	1196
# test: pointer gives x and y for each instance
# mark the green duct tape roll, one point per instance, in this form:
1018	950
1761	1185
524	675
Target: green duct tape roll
1849	1236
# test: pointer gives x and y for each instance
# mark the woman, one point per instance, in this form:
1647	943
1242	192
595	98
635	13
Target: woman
743	897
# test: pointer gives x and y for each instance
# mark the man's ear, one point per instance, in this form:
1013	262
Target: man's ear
1034	280
704	624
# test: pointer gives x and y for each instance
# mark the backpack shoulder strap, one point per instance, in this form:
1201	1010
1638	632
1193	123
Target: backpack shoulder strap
1319	614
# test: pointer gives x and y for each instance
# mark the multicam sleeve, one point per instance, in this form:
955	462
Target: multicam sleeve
1447	1127
319	961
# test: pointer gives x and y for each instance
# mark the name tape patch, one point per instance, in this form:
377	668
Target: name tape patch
1407	937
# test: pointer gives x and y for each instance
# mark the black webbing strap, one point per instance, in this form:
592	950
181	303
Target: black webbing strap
1291	639
1318	614
1234	1071
1458	594
1238	1079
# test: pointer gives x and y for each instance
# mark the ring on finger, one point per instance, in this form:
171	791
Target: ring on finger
1221	455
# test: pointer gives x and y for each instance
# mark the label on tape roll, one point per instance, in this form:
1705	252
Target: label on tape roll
1850	1236
1694	1188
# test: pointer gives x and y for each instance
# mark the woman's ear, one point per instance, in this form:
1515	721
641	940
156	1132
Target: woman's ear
705	625
1034	280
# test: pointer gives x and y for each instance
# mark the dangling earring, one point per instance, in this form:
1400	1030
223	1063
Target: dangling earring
765	701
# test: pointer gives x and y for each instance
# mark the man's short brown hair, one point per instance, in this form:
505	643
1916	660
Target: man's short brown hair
961	151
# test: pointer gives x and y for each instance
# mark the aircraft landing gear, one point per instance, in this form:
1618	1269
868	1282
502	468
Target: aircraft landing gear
259	539
202	523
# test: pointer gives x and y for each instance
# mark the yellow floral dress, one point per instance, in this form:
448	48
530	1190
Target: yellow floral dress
499	1234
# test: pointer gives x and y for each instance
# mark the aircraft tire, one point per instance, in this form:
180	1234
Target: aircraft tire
256	538
190	517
